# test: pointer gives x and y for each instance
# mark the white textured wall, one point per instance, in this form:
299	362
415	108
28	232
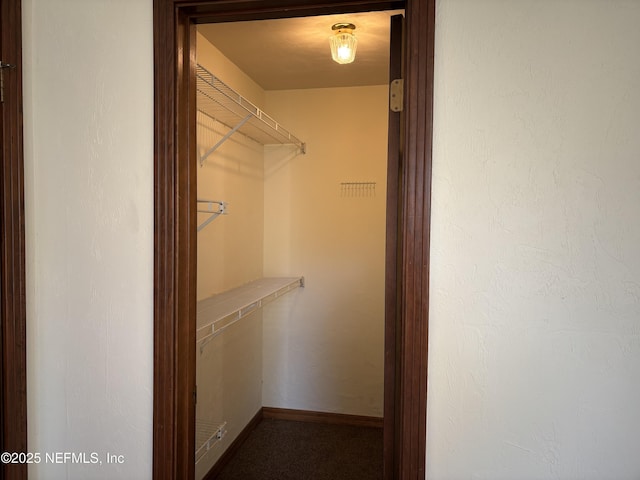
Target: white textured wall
323	345
88	117
535	344
535	289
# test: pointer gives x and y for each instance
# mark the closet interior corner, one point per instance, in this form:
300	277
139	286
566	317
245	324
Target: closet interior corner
291	253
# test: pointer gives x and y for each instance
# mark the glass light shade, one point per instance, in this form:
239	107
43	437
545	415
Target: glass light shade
343	46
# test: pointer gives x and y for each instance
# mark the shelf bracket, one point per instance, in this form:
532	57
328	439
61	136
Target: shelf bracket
224	139
213	214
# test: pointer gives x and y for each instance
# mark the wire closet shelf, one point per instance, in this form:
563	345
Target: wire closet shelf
208	434
218	312
220	102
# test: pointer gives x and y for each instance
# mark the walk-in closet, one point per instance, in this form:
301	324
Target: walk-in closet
292	182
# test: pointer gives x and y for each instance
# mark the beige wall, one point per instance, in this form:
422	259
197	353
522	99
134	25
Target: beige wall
324	344
229	379
229	368
229	248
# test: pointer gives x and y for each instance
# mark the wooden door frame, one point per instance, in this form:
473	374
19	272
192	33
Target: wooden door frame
175	220
13	414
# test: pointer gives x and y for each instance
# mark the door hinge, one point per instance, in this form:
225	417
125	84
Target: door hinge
396	95
2	67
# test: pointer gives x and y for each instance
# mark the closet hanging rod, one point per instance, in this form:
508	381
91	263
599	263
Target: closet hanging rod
220	102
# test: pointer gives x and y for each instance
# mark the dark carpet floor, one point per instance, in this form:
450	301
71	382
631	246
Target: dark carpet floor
285	450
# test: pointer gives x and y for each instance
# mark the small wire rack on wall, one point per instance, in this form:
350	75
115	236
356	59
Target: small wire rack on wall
357	189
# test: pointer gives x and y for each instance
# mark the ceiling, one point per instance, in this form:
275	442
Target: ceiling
293	53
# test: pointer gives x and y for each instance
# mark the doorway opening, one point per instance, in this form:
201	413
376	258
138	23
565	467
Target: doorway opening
292	192
176	218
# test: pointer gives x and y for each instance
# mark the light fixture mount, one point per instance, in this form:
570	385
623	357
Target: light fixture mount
343	26
343	43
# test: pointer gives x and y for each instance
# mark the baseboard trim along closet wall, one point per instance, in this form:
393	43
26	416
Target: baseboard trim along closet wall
321	417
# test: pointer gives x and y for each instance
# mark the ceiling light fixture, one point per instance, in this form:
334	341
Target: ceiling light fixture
343	43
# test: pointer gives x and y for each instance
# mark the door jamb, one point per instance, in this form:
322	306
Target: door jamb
13	396
174	221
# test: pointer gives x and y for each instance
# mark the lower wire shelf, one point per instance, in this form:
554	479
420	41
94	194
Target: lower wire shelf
219	312
207	435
